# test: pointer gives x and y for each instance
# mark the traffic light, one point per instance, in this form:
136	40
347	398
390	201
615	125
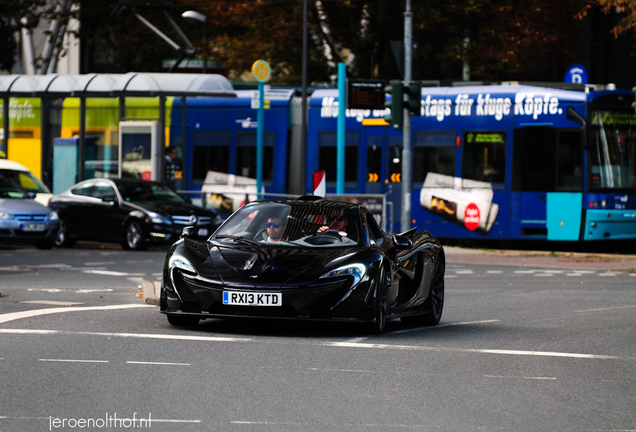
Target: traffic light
414	102
396	104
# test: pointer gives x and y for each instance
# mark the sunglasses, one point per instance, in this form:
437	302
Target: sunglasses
272	225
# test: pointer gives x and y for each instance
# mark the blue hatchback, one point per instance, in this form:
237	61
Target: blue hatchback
24	220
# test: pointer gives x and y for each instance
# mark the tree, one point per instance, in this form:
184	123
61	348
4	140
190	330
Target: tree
626	8
16	14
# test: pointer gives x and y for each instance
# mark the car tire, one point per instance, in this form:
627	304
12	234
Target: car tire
380	305
63	239
434	304
183	320
134	236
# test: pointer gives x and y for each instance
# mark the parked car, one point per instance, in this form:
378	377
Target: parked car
25	179
305	259
136	213
24	220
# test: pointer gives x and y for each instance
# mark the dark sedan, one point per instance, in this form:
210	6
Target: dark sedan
305	259
136	213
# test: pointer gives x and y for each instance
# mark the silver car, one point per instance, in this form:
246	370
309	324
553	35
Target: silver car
22	220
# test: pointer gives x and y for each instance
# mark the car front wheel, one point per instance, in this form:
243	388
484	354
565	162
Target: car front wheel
63	239
134	237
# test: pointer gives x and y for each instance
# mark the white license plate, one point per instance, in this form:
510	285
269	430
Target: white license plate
203	232
243	298
33	227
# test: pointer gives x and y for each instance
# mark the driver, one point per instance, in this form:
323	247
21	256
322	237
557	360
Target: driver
275	228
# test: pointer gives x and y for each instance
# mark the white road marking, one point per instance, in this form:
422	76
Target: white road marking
38	312
112	273
158	363
607	274
335	344
439	326
574	274
449	276
73	361
494	271
339	370
51	290
51	302
542	274
99	263
464	272
517	377
90	290
605	309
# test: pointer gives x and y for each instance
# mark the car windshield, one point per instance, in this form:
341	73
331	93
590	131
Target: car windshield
613	150
306	224
9	189
147	191
26	180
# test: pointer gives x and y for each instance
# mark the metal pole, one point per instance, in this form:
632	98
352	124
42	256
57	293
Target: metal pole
342	106
81	151
303	138
260	132
5	126
407	166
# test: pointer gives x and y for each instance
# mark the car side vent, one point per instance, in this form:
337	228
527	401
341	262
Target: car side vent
309	198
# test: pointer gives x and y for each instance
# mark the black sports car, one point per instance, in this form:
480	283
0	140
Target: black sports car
136	213
305	259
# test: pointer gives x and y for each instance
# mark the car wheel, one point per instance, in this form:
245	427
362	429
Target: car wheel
434	304
44	245
379	323
134	237
63	239
183	320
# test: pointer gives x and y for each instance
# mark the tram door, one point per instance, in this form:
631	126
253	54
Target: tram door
384	171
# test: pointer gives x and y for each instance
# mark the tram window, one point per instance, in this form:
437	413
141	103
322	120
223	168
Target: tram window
485	157
246	155
328	156
534	159
211	152
570	161
433	152
374	157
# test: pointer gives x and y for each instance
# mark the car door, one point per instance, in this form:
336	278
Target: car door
104	211
73	211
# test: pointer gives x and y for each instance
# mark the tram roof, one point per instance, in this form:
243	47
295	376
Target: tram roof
112	85
494	91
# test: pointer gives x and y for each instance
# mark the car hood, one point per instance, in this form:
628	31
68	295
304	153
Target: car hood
174	209
274	266
22	205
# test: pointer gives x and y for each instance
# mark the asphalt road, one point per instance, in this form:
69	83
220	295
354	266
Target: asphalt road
521	347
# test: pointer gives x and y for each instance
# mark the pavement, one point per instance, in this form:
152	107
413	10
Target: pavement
542	259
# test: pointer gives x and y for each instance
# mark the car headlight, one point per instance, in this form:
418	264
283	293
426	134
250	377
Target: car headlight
5	216
177	261
158	218
356	270
54	216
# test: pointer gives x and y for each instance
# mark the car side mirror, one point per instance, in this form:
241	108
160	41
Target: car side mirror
110	199
402	242
189	231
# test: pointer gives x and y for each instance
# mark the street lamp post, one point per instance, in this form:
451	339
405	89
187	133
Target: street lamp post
199	17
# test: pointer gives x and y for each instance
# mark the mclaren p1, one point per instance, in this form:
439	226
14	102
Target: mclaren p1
305	259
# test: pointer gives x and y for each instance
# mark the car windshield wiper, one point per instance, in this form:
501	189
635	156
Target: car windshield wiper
239	239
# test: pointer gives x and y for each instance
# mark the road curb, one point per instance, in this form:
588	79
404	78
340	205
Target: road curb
150	292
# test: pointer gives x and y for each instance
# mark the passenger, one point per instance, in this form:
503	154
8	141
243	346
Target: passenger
337	222
275	229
